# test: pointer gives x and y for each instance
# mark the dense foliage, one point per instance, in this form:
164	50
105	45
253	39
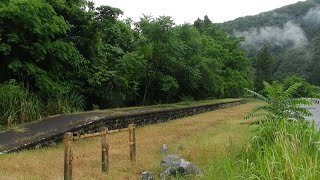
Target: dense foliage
292	34
72	55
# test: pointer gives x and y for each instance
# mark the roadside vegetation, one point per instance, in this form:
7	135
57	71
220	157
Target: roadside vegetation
282	145
19	106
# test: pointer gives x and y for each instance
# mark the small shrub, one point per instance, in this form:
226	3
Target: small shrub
279	103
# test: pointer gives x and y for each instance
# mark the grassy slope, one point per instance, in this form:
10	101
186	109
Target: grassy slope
205	137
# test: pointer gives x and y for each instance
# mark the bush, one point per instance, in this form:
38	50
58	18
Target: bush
18	106
280	103
284	145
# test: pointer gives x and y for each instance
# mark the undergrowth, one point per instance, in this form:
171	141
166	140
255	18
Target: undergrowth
18	105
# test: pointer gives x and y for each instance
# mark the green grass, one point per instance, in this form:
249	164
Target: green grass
278	149
283	150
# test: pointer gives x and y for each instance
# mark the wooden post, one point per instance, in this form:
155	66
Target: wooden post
132	142
68	138
104	150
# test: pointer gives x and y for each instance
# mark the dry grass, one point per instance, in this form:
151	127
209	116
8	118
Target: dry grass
200	137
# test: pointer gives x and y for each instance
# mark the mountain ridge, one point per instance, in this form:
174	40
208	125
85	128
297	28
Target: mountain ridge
293	34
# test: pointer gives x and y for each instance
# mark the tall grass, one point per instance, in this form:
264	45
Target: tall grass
17	105
282	146
282	150
64	103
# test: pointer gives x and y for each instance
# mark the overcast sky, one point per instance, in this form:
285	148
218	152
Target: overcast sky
189	10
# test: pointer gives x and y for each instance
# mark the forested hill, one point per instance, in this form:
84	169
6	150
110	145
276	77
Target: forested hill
292	33
278	17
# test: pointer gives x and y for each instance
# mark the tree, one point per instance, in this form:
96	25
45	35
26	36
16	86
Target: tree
263	66
157	44
113	41
32	49
202	24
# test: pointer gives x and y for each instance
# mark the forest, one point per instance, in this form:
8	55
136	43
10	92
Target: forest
60	56
287	38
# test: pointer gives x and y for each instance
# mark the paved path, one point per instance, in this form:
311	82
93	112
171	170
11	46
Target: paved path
45	128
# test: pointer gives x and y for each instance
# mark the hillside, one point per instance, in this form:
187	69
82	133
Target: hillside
293	34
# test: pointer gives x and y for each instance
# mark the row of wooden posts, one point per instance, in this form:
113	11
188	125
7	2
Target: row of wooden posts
69	138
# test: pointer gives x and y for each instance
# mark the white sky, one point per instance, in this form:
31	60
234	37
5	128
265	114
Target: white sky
188	11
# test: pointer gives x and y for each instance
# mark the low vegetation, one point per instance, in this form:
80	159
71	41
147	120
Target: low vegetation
282	144
198	138
19	106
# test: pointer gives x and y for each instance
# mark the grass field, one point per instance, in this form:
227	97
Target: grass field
204	138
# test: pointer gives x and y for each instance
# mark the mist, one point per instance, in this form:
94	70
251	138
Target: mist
291	35
313	15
